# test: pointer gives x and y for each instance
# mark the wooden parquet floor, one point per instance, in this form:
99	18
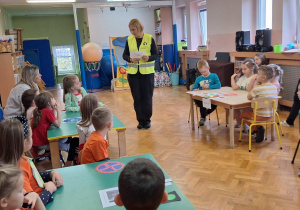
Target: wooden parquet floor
200	162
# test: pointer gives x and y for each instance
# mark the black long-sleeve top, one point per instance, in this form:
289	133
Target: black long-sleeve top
153	50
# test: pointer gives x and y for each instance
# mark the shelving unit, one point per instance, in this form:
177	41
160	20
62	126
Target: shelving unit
10	68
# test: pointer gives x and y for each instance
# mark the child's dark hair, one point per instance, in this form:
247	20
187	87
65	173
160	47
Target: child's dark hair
88	104
251	65
141	185
11	141
27	98
41	101
267	71
68	83
262	57
9	175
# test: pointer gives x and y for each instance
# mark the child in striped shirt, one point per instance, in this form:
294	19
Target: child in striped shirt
264	89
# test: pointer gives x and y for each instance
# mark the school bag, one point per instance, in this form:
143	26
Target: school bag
161	79
191	75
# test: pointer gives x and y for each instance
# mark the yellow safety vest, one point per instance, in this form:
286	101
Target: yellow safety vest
145	67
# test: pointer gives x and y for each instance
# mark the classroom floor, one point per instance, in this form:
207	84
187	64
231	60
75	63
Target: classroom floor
200	162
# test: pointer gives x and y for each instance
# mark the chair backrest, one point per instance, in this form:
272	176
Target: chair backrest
265	102
223	56
191	86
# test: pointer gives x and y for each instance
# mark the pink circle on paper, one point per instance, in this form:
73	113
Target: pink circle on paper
109	167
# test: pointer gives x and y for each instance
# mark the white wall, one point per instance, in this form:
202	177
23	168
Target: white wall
115	23
180	23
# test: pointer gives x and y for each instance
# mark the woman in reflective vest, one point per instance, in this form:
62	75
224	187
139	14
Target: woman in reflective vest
140	53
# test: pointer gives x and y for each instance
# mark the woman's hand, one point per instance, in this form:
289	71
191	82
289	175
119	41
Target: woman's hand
56	178
50	186
145	58
134	60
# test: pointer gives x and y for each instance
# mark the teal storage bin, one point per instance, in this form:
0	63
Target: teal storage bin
174	78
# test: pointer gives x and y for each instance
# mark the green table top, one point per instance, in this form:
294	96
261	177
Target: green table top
70	129
82	184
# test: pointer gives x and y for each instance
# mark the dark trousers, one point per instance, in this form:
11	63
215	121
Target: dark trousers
295	108
142	86
203	111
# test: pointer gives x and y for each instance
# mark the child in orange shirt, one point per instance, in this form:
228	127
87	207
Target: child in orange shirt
95	148
16	138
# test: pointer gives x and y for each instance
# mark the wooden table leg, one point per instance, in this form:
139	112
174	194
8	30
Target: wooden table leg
192	112
184	66
273	132
231	128
122	142
54	149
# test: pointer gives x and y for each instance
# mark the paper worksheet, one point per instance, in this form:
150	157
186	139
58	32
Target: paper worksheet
137	54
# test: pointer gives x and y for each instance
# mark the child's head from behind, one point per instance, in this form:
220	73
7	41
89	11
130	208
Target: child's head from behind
28	98
141	185
42	101
249	67
265	74
11	185
71	83
30	75
102	118
88	104
203	68
277	71
260	59
11	141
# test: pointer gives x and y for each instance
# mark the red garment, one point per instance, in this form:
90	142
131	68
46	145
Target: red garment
95	149
39	133
79	96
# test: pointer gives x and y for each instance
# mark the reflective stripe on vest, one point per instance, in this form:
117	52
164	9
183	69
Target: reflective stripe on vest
144	67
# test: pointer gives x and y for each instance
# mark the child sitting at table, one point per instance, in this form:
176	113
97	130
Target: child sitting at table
16	138
84	127
264	89
278	72
260	59
246	81
95	148
43	117
141	185
28	103
73	93
207	80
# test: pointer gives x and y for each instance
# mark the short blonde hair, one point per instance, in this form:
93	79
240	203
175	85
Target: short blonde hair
101	117
201	64
136	23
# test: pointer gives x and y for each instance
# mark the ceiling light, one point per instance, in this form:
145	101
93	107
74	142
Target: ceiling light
50	1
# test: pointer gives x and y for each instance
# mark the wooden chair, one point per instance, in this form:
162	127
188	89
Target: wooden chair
265	102
278	122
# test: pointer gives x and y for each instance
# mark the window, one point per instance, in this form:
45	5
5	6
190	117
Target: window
203	25
265	14
64	59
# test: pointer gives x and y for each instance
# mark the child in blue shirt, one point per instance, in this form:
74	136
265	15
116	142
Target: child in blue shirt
207	80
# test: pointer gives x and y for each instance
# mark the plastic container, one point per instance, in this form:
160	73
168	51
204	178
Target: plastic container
278	48
174	78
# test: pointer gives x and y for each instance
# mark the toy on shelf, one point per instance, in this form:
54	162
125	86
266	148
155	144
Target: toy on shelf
6	45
